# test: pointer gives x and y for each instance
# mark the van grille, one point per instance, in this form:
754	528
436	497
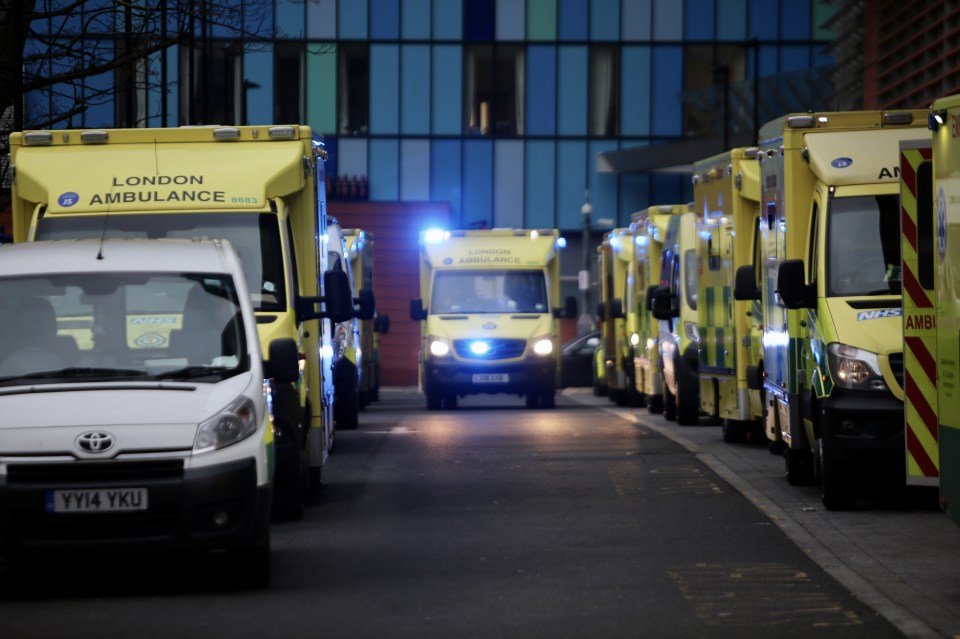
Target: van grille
93	472
498	349
31	523
865	305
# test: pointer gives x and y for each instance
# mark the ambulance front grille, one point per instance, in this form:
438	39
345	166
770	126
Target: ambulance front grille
497	348
866	305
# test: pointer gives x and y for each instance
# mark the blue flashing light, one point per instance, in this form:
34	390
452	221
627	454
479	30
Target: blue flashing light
479	347
435	236
561	242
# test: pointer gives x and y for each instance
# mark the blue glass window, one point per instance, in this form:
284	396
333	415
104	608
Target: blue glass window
540	198
573	19
384	19
541	90
479	20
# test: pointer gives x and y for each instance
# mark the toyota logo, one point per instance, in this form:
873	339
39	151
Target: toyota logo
95	441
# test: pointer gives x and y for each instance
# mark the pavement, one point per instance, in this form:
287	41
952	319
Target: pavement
900	556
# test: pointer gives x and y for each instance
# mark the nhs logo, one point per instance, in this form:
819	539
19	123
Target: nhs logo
878	314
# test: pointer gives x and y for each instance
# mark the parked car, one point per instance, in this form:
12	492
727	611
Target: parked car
577	360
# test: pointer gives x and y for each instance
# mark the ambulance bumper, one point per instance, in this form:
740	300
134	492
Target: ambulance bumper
467	378
862	424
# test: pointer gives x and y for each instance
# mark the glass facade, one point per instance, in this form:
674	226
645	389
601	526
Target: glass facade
498	107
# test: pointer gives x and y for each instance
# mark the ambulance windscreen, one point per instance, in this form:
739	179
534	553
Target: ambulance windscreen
489	291
863	246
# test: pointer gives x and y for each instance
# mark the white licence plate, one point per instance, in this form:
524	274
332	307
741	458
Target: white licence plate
490	378
99	500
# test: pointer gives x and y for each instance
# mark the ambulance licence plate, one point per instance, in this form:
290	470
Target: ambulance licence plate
98	500
490	378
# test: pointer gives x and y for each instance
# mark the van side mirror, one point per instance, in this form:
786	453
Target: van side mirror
792	288
283	363
745	283
381	324
417	312
665	305
569	309
366	305
601	312
616	308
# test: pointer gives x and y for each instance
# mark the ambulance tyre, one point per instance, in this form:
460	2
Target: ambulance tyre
799	467
548	399
835	482
655	404
599	386
687	399
290	489
434	400
634	397
346	399
531	400
450	401
669	405
735	431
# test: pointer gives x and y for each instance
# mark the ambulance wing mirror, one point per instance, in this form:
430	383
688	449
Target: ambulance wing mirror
417	312
616	308
337	301
745	284
602	312
381	323
792	288
366	305
650	290
665	306
283	363
569	309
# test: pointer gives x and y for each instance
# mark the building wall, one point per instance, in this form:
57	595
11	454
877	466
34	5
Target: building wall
421	141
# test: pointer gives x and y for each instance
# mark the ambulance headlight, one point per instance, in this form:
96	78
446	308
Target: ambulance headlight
634	340
233	424
855	368
543	346
439	347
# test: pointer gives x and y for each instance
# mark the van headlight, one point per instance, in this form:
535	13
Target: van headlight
438	347
234	423
855	368
543	346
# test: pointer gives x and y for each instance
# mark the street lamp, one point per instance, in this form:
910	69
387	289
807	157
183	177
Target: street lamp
585	321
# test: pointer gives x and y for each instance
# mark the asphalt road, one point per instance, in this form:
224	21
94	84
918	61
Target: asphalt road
490	521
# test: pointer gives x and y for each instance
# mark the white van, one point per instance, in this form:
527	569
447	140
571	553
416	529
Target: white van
133	390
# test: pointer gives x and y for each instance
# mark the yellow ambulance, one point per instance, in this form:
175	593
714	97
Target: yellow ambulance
726	190
489	312
831	295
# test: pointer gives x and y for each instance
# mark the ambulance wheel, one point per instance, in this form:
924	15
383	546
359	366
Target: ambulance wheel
688	398
548	399
734	431
434	401
836	483
798	467
531	400
634	397
655	404
450	401
346	409
669	405
599	386
291	487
